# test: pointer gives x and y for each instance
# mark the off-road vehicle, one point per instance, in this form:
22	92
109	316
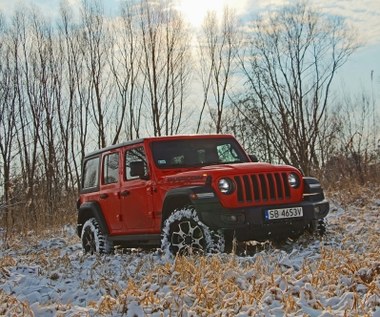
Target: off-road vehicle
191	193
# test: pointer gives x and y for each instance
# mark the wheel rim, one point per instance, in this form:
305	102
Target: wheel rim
187	238
88	241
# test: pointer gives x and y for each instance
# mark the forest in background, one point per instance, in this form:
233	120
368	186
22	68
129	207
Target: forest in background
88	80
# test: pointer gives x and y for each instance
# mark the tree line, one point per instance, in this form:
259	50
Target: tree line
87	80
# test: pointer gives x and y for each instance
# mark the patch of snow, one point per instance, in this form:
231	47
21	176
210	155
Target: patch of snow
336	275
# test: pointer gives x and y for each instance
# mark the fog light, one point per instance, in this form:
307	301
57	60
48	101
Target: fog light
233	218
316	209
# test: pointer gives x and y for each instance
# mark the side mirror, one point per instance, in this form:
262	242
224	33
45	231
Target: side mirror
253	158
138	169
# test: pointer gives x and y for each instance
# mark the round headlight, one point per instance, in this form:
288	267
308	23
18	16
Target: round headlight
226	186
293	180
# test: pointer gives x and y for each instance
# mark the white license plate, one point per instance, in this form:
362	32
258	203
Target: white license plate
283	213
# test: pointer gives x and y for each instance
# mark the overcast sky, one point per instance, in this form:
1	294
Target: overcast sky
363	15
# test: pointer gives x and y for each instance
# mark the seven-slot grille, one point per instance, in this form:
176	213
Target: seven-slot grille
262	187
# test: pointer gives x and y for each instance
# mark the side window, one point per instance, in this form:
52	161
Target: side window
227	153
91	173
132	158
111	168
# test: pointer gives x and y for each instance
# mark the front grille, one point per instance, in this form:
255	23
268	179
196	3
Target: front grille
262	187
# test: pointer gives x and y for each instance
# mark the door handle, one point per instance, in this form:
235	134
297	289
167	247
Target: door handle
103	196
125	193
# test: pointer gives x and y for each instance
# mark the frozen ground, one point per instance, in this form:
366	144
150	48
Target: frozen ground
336	276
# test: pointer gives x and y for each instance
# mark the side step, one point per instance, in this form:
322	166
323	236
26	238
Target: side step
136	240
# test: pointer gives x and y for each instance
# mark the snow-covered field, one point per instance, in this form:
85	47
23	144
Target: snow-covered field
336	276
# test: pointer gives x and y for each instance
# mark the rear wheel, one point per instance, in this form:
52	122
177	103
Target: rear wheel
184	234
93	239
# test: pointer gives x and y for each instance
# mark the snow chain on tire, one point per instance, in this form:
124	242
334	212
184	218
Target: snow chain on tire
188	225
93	239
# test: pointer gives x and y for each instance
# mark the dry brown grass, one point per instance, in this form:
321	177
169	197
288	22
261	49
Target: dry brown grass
346	265
222	285
219	285
11	306
25	219
354	193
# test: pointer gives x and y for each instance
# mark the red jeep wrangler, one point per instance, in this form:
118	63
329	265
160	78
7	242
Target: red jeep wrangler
191	193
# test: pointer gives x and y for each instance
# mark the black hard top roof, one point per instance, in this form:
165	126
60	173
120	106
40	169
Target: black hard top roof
158	138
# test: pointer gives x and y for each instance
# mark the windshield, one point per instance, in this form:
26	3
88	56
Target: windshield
197	152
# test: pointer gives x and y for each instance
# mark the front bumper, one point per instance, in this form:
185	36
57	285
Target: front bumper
250	223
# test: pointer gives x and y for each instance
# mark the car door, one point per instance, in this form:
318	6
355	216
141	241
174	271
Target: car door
136	192
109	198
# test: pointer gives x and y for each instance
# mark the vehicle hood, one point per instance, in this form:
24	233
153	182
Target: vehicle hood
199	175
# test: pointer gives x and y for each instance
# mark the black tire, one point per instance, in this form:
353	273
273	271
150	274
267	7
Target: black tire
321	227
184	234
93	239
318	227
229	241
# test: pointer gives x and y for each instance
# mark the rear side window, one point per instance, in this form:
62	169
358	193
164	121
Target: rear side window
91	173
111	168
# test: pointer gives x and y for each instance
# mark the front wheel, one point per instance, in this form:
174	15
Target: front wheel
318	226
184	234
93	239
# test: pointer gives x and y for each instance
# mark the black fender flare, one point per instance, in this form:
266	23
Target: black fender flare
181	197
91	209
312	186
313	190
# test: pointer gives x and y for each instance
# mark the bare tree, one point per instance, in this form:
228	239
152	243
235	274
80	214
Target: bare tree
250	129
293	57
96	48
126	66
218	48
8	115
28	120
354	155
75	112
165	65
46	76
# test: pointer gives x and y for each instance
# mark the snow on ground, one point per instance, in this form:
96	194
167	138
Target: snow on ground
336	276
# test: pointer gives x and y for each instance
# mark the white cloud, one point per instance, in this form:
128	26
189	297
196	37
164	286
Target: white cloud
363	15
195	11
